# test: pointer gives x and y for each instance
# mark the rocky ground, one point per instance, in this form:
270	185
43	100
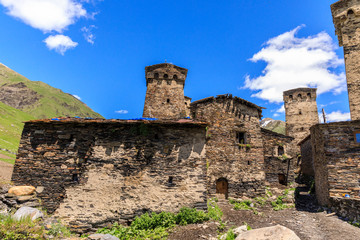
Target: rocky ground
306	219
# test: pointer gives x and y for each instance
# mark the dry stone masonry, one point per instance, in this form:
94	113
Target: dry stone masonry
280	159
346	17
336	148
97	171
165	92
301	112
235	158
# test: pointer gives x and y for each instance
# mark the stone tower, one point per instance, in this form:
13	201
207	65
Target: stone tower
165	91
300	111
346	17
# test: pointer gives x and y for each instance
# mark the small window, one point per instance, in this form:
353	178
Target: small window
170	180
156	75
299	96
75	178
350	12
186	103
309	95
248	162
168	100
291	97
357	137
166	76
241	137
300	112
281	151
175	77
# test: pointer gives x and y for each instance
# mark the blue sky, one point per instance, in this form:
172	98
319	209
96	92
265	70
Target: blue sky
254	49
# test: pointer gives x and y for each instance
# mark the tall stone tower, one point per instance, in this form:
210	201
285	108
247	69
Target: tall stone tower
300	112
165	91
346	17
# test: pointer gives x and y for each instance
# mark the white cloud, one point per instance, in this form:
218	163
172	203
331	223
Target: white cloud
336	116
76	96
88	35
60	43
281	109
276	115
294	62
46	15
122	111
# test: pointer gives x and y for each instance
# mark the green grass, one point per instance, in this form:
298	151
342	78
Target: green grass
156	226
26	229
11	125
53	103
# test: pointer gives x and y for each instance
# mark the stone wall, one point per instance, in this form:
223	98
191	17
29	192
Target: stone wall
346	17
279	157
346	208
238	164
336	160
301	113
165	92
307	163
96	172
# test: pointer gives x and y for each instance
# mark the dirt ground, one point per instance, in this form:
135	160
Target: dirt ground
304	220
6	170
4	156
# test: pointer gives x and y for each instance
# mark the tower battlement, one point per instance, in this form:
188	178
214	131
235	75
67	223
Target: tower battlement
165	91
300	111
166	72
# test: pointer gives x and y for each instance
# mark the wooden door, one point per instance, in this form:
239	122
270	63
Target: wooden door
222	187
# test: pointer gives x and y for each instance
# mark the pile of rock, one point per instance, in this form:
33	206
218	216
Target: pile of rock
17	197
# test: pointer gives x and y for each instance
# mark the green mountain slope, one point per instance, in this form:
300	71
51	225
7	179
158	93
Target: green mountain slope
39	99
273	125
22	100
10	130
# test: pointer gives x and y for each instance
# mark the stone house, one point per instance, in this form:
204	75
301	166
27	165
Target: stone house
336	156
279	158
162	164
234	146
94	172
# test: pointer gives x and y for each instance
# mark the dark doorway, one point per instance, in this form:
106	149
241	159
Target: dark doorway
222	187
281	151
282	178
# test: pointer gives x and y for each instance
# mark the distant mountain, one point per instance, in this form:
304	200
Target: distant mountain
22	100
273	125
39	99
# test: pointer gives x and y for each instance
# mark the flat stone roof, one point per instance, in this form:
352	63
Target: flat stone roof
63	120
227	96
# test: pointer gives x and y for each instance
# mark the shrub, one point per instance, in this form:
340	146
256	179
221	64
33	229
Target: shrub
190	216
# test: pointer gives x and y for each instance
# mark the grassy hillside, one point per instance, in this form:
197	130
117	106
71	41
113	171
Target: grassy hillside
10	131
52	102
22	100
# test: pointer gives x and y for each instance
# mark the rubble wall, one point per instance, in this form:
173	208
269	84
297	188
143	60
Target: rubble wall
307	163
241	165
301	113
165	92
347	22
275	162
98	172
336	160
